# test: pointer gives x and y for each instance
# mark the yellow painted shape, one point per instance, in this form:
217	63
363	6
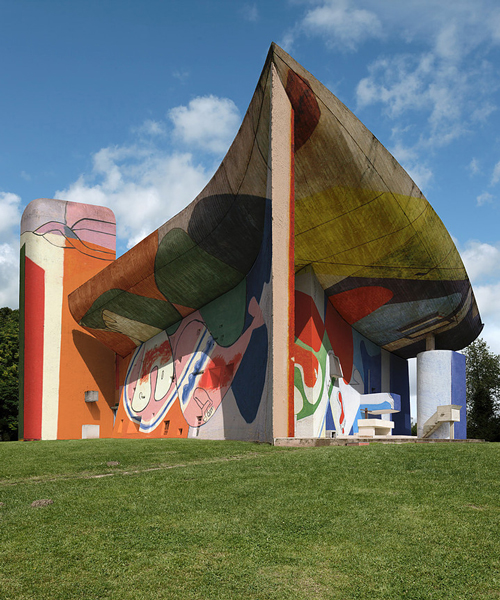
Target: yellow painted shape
347	232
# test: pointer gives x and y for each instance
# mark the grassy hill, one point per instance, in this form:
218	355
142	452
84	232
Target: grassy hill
192	519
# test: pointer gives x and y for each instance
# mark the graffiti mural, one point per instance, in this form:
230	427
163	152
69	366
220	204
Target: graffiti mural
338	372
184	372
188	366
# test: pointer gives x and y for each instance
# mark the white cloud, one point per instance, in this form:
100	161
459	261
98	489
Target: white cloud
182	76
489	309
150	128
143	186
447	42
9	274
421	174
208	122
10	211
341	25
409	159
484	198
421	83
481	260
288	39
250	13
474	166
495	177
482	113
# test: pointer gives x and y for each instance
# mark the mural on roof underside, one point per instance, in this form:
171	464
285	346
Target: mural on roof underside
177	381
360	222
188	269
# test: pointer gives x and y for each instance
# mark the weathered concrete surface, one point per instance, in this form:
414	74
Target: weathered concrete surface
356	441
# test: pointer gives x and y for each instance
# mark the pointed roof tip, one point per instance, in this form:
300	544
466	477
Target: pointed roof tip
272	50
276	50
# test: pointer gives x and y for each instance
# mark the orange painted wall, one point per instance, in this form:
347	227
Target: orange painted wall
86	364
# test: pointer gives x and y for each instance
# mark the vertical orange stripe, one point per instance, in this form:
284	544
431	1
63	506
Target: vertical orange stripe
291	286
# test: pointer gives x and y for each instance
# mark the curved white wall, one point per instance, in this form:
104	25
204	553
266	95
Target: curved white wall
440	381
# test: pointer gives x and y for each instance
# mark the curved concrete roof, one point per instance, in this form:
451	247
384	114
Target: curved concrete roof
380	252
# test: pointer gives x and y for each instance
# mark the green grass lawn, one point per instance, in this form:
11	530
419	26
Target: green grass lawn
192	519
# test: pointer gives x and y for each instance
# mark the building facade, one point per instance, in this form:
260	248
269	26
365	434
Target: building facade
284	301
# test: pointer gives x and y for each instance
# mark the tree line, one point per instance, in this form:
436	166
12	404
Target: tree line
482	373
483	391
9	374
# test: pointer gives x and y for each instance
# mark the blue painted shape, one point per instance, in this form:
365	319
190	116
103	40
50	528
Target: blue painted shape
400	384
372	367
248	383
372	406
329	424
458	393
381	323
201	358
396	401
260	273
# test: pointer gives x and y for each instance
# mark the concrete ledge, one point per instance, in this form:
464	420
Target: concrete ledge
374	427
359	440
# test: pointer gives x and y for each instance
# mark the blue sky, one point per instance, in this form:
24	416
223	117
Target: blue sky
132	104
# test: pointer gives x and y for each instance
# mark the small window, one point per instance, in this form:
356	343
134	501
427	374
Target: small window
166	425
91	396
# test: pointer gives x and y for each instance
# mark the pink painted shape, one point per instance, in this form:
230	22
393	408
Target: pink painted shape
220	367
94	224
207	389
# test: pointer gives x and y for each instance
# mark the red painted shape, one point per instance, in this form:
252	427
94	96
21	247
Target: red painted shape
184	311
219	373
309	363
340	336
306	110
342	415
163	353
34	310
355	304
309	326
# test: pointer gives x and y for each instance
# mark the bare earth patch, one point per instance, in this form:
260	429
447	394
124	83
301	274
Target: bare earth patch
40	503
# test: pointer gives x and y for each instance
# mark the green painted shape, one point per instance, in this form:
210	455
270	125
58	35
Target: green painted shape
149	311
189	276
21	342
309	408
225	316
173	328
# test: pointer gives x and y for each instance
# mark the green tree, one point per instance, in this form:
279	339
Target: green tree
483	392
9	378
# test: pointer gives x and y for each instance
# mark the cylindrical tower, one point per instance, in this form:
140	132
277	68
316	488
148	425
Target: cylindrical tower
440	382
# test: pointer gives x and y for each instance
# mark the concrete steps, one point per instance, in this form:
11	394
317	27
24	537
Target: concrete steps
448	413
